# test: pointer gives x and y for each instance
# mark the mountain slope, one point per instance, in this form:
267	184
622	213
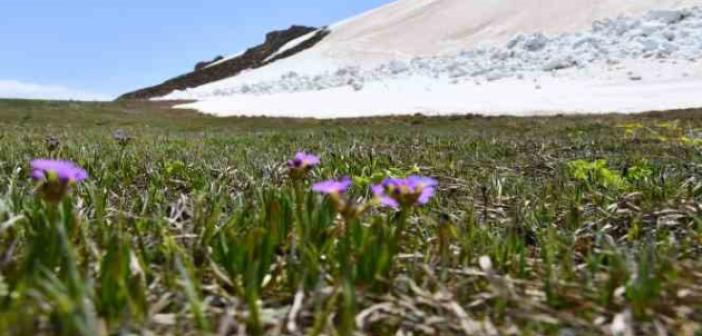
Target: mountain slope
462	56
423	28
224	68
411	28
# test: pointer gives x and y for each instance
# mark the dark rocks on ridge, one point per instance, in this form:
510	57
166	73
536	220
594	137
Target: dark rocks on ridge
251	59
203	64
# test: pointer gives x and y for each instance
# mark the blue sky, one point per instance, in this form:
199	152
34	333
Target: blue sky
102	48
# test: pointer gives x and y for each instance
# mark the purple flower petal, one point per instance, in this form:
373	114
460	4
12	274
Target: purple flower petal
38	175
378	190
80	175
389	202
421	182
425	196
392	182
333	186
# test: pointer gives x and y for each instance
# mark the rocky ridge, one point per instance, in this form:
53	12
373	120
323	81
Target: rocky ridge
207	72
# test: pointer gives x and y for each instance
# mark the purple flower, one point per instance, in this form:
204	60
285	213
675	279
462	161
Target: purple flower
336	189
406	192
303	160
333	187
56	177
64	171
302	164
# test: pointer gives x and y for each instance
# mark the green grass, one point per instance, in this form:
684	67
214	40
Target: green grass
552	226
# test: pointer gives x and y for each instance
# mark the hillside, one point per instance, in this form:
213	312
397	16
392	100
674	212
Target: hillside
208	72
441	57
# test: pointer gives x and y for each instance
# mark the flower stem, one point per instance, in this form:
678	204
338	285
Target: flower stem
348	310
298	229
401	225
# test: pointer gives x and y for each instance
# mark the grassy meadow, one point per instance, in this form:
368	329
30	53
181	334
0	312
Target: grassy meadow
588	225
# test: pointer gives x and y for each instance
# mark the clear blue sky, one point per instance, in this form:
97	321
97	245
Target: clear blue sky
111	46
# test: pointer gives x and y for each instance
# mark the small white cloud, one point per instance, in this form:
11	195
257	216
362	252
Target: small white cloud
16	89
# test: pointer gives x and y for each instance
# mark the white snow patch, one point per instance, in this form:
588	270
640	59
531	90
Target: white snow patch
546	95
230	57
291	44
